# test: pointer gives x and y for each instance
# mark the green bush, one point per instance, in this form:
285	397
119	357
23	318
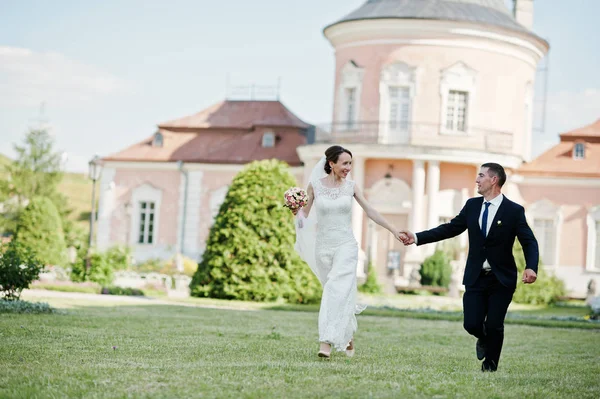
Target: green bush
25	307
547	289
119	257
436	270
371	286
102	265
19	266
100	269
250	250
39	228
113	290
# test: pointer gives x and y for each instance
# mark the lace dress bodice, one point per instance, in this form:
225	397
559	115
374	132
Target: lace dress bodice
334	211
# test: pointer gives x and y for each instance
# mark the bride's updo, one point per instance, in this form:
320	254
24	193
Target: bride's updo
332	154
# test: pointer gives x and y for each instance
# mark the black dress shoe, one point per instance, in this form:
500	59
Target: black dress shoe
489	365
480	349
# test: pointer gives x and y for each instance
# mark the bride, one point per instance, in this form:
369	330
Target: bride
325	241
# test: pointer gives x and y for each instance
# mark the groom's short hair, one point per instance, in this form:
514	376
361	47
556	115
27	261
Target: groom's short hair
495	169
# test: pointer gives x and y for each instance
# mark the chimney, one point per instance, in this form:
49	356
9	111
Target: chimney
523	11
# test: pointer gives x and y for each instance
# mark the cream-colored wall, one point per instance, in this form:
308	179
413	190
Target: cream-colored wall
499	98
376	169
126	180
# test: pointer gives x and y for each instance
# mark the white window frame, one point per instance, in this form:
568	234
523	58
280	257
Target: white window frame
593	217
145	193
458	77
577	146
403	76
268	140
547	210
351	78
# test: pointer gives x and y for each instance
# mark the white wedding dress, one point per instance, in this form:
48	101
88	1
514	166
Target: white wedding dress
328	246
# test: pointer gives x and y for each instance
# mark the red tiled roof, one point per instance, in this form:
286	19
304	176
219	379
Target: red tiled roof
224	133
558	161
238	115
226	147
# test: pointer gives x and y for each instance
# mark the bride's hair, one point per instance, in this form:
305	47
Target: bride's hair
332	154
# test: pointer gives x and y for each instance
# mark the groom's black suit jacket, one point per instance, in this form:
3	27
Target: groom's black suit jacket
508	223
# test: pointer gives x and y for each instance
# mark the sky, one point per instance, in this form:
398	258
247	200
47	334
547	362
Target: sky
103	74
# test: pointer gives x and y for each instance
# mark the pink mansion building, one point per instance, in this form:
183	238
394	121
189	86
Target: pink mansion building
424	93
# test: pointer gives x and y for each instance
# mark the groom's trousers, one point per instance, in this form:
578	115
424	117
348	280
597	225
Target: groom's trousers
485	304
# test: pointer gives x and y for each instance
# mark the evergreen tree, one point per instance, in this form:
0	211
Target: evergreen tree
250	250
39	228
36	172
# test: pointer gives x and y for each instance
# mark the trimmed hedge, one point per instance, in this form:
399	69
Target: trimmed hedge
250	250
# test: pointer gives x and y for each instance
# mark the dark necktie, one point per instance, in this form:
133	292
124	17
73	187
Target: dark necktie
484	218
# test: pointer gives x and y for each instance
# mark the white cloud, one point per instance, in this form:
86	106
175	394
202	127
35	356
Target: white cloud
28	78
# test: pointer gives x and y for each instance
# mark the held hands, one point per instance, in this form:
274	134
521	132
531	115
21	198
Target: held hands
405	236
529	276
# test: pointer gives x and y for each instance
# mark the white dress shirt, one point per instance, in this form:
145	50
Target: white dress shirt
493	208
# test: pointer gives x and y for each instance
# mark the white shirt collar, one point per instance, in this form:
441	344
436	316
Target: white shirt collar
496	201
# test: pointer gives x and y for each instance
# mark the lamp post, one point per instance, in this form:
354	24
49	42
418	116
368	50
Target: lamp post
94	174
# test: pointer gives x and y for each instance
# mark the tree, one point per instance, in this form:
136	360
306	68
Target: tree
39	228
250	250
36	172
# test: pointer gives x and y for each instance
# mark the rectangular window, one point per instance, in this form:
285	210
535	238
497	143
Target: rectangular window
350	107
268	140
579	151
146	230
399	108
545	233
456	111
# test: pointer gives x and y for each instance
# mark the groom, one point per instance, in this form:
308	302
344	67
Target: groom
490	276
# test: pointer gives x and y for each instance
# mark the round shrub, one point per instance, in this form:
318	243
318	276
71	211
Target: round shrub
436	270
547	288
250	250
19	266
39	228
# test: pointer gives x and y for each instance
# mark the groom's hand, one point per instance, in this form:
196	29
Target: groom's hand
407	237
529	276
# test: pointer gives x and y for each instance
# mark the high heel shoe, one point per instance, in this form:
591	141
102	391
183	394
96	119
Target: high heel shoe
325	351
350	348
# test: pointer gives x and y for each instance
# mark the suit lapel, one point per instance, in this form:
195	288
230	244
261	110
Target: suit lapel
498	216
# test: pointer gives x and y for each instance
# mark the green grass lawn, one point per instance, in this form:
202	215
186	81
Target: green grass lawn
182	351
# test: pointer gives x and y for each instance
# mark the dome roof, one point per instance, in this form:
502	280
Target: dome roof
490	12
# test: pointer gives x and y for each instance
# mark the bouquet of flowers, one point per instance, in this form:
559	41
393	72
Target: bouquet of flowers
295	198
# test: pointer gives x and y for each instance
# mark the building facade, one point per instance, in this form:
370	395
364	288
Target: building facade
424	93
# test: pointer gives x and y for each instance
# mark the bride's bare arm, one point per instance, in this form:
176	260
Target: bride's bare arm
311	196
373	214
